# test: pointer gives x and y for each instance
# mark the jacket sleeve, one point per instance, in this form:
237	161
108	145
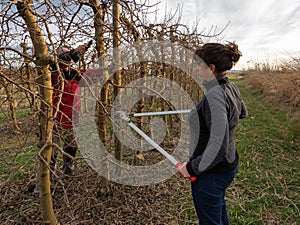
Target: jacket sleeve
216	118
244	112
69	55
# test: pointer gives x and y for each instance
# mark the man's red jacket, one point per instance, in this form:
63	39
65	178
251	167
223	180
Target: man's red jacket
66	100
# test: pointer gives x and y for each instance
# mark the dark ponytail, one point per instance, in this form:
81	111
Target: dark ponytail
223	56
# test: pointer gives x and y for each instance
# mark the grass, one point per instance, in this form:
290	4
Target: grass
266	190
19	114
19	164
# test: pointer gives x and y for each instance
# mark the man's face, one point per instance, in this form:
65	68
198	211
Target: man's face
65	64
62	50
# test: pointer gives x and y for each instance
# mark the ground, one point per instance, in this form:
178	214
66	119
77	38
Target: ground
266	190
79	200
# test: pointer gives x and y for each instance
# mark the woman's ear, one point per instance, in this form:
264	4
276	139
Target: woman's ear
212	68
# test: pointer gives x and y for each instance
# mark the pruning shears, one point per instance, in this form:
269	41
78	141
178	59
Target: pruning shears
149	140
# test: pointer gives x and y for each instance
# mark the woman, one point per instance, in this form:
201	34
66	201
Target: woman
214	159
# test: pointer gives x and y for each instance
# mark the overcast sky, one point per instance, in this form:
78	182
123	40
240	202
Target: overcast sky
264	29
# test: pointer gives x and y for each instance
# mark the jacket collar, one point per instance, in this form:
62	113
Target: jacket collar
220	80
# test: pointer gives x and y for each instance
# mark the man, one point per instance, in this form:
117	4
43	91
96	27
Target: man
66	106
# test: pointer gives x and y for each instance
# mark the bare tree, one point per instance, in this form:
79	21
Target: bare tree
116	61
42	63
33	30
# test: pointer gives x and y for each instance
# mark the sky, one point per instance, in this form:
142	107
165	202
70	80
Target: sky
265	30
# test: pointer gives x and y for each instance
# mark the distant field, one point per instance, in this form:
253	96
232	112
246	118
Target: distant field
278	87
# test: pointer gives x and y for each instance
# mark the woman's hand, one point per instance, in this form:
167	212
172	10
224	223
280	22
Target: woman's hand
183	171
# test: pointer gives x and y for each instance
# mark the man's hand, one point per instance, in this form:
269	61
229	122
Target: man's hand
183	171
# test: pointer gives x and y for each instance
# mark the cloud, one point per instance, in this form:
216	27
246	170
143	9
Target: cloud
260	27
256	24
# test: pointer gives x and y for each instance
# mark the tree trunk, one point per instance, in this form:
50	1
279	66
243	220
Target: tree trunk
143	73
99	16
42	64
117	58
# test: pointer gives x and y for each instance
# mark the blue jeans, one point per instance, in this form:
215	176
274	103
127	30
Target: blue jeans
208	195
